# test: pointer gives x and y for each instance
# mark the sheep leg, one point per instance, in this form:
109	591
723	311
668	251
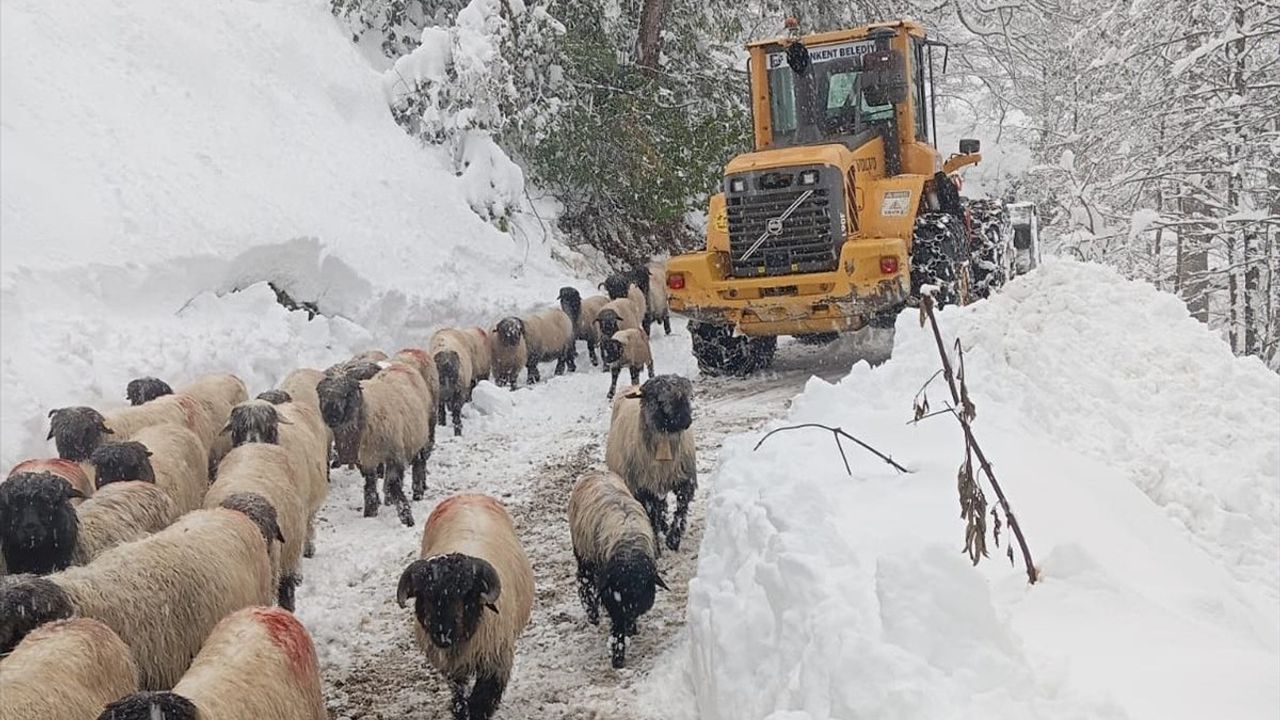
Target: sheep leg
684	495
613	382
441	415
656	509
455	409
666	323
459	704
650	370
309	550
571	356
532	369
371	500
635	375
486	695
393	490
560	365
618	646
284	594
420	473
591	351
587	592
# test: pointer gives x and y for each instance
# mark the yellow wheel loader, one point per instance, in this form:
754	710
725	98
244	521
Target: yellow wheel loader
844	211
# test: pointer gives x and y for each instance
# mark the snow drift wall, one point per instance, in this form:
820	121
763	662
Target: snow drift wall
1141	458
156	158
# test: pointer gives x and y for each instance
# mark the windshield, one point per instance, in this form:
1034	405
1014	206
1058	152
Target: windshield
823	104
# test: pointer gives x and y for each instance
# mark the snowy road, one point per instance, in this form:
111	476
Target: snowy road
528	449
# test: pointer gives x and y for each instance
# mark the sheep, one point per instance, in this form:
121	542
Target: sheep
145	389
301	386
388	422
652	281
41	532
549	335
621	286
470	561
162	594
80	475
629	349
614	546
370	356
167	455
38	526
509	350
651	447
422	361
346	437
583	315
617	315
257	663
458	364
78	431
66	670
224	391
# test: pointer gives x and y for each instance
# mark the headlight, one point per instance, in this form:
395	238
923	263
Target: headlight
809	177
737	185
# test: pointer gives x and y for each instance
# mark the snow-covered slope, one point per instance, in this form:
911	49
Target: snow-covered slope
1143	461
154	159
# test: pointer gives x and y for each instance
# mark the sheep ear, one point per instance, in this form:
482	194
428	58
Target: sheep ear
283	421
408	582
657	580
102	427
54	412
492	607
226	429
73	493
279	535
487	583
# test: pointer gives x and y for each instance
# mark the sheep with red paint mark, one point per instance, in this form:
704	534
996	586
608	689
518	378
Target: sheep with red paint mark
78	431
473	592
257	663
81	477
66	670
145	389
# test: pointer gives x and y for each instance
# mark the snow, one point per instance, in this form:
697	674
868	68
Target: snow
155	161
1142	460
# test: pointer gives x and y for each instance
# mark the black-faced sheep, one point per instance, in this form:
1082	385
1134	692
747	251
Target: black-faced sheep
257	663
509	350
549	335
651	446
473	594
617	315
459	361
78	431
145	389
629	349
583	315
66	670
615	549
621	286
652	281
168	455
258	464
41	532
390	428
38	526
162	594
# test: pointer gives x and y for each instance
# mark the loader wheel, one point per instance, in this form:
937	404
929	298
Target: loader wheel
821	338
718	352
990	246
936	253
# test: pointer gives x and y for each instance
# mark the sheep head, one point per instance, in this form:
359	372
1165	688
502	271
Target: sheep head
275	397
77	431
122	462
617	286
666	403
609	322
450	594
571	303
151	705
628	582
26	603
145	389
611	350
449	365
258	509
340	399
255	421
38	526
509	331
640	276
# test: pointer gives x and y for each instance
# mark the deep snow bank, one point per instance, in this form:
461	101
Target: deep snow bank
157	157
1143	462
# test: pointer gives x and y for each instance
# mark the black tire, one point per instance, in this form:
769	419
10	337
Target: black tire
820	338
935	256
990	246
718	352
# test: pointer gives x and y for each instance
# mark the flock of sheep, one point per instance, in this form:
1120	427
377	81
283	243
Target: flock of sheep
149	570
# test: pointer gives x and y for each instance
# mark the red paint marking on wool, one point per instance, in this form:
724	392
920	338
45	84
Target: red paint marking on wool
188	405
416	353
63	468
482	331
446	507
291	637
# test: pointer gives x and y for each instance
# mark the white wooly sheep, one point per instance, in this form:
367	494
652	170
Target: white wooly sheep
223	391
615	549
162	594
257	663
121	512
389	423
509	350
459	364
651	446
66	670
269	471
629	349
623	286
170	456
549	335
652	280
473	593
80	476
617	315
297	427
583	315
301	385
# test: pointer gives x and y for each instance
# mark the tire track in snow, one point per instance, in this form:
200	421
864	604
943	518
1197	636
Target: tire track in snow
528	455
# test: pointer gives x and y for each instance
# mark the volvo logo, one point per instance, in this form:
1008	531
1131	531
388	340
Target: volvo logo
774	226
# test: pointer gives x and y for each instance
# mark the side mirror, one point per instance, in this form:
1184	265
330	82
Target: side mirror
969	146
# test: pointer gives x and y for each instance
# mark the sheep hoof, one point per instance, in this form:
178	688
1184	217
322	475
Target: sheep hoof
457	430
673	542
405	513
310	550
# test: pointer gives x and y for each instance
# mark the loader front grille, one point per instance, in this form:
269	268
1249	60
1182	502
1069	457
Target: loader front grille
807	241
